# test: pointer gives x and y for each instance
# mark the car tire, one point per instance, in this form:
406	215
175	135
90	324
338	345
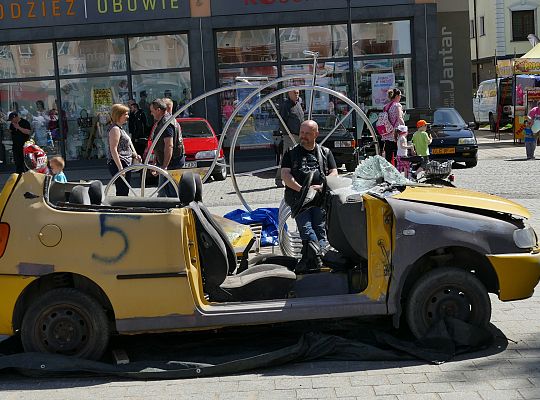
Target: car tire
219	174
471	164
476	125
492	123
66	321
447	292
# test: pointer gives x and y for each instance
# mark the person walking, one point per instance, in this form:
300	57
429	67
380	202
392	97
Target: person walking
297	162
530	139
292	113
403	163
121	149
395	117
20	133
137	126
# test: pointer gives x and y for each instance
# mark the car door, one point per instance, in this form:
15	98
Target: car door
476	104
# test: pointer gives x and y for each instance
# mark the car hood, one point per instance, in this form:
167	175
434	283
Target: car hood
462	198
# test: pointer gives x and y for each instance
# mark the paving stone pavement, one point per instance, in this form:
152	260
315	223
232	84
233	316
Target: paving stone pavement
511	373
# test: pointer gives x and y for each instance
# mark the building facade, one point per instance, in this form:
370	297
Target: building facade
63	63
499	30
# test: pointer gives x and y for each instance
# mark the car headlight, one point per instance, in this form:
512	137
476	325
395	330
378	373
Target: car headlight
205	154
467	140
525	238
344	143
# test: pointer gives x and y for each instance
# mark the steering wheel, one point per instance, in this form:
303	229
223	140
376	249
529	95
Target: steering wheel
304	198
145	168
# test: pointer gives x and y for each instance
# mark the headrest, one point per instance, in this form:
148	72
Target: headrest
198	187
187	188
79	195
95	192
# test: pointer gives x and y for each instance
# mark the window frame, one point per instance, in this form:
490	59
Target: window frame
523	14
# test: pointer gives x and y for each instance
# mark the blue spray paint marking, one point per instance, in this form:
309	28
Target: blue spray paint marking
117	231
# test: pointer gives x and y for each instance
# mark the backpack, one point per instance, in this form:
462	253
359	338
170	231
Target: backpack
384	127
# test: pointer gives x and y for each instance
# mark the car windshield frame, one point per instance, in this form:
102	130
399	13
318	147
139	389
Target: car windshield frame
447	117
205	133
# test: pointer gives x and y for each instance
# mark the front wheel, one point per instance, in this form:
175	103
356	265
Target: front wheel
66	321
447	292
220	173
471	164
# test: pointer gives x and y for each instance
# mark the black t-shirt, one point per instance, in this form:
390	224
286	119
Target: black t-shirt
17	134
303	163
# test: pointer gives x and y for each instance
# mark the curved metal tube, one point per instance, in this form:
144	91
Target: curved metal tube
144	167
278	93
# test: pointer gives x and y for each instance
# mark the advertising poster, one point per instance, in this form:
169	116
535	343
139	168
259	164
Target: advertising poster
103	99
380	84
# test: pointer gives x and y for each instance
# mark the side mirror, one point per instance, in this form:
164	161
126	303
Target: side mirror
471	125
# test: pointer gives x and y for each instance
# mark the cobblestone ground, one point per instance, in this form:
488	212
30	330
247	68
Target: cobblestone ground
512	373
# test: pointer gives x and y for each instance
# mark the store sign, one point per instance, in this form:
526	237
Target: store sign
527	66
232	7
37	13
505	68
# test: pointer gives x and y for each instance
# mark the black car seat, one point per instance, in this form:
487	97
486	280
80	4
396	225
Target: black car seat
79	195
261	282
95	192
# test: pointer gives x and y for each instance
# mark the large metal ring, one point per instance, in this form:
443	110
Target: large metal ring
144	168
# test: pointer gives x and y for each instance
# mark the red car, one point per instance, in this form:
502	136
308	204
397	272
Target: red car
200	146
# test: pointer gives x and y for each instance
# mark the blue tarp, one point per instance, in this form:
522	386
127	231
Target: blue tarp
268	217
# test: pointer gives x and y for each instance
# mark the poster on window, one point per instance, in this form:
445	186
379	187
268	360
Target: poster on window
103	99
380	83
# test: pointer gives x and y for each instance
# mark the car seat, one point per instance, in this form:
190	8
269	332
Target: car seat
218	259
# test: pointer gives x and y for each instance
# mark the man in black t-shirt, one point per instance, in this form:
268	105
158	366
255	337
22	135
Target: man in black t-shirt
296	164
20	133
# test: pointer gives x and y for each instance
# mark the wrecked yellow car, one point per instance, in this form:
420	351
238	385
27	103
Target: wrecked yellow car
76	267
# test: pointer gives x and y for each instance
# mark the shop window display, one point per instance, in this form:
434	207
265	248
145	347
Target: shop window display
86	103
246	46
329	41
167	51
35	102
91	56
26	60
259	129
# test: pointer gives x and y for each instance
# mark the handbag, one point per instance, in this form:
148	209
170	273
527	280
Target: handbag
84	121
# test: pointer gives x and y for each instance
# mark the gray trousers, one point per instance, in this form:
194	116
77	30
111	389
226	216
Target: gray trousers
530	147
287	144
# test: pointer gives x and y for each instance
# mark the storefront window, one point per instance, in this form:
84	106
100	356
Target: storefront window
86	103
257	132
174	85
375	77
152	52
370	38
26	60
35	102
246	46
91	56
328	41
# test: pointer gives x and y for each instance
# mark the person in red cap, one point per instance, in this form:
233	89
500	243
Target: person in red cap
421	140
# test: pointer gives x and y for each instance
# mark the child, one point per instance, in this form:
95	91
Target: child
57	168
530	140
421	140
403	164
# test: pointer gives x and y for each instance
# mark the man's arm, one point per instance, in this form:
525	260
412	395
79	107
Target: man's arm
286	176
333	172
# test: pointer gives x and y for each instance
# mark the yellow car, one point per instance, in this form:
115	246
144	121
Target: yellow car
76	267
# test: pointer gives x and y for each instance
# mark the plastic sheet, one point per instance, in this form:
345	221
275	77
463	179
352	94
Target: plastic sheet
268	217
373	171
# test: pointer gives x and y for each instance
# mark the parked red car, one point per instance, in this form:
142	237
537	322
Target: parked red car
200	146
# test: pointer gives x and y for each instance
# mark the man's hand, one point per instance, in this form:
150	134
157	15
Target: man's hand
318	188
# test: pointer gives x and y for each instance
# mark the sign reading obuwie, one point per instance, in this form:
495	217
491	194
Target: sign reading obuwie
36	13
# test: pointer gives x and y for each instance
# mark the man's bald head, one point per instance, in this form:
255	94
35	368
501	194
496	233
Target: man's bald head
309	130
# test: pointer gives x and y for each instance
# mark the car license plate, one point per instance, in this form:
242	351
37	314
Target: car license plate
343	143
190	164
444	150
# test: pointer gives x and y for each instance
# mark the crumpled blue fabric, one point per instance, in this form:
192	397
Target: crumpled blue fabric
268	217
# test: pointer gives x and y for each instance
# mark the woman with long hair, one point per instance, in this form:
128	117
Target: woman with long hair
395	116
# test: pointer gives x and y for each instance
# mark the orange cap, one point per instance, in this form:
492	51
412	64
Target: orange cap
421	123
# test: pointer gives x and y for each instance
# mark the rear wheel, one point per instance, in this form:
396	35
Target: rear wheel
220	173
447	292
471	164
66	321
492	123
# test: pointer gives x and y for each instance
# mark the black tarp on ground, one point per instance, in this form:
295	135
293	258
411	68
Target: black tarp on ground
189	355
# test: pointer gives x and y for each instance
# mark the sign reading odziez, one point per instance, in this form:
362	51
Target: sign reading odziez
36	13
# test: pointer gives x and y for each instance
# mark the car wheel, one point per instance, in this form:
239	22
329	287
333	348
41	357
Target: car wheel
492	123
440	182
220	174
66	321
471	164
476	125
447	292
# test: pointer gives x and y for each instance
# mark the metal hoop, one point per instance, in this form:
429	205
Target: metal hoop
144	168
